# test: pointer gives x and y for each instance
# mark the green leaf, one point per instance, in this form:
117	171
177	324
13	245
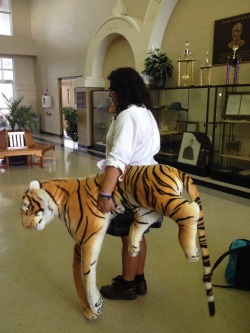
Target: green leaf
70	116
158	64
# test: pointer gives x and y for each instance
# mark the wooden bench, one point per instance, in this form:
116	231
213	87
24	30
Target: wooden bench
22	144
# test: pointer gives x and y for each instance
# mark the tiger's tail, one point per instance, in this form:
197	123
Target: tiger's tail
195	197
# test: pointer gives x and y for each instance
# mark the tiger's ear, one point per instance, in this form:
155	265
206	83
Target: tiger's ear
35	185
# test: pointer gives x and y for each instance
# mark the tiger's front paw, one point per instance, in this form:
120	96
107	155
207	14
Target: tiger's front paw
99	306
89	314
96	304
93	310
193	256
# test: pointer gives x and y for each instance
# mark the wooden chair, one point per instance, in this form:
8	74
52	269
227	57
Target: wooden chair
21	144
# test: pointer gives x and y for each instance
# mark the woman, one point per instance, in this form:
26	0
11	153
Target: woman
133	139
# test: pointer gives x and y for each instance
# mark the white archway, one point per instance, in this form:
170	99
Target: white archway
149	32
161	21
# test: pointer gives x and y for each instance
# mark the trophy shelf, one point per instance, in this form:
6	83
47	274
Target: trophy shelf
231	150
236	157
231	121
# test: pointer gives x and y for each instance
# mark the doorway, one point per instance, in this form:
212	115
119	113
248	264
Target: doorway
67	99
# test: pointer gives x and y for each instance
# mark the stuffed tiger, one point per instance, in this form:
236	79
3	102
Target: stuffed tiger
144	190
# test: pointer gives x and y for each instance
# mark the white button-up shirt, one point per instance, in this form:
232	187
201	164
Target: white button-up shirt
133	139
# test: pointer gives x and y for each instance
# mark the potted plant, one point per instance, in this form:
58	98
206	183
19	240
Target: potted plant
70	116
19	117
159	66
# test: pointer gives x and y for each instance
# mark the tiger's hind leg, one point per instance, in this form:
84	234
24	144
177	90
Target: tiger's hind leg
187	217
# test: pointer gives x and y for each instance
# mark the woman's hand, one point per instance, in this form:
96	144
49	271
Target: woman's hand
106	205
105	201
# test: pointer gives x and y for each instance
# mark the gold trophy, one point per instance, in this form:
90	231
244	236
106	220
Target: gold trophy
186	67
205	71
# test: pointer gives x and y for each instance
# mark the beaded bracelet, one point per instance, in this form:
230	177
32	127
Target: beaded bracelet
106	196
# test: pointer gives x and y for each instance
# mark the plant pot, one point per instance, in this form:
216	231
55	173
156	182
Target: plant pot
148	80
75	145
160	82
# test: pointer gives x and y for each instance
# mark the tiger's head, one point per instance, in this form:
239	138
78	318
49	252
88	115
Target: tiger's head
36	210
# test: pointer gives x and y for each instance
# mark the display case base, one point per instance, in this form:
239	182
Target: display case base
232	178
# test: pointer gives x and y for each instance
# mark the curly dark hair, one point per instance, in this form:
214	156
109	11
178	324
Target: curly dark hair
130	88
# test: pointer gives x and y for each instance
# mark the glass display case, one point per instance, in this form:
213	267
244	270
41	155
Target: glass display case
101	118
231	158
185	119
205	130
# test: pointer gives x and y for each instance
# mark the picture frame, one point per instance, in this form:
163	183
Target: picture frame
232	105
80	99
189	150
223	31
237	106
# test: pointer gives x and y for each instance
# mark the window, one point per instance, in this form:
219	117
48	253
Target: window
5	18
6	69
6	81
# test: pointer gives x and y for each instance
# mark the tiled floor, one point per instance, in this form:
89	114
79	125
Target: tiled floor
37	290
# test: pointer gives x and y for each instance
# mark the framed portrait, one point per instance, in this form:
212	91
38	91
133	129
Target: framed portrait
229	32
189	150
232	105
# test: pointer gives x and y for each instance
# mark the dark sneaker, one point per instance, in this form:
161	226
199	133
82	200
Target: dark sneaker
117	291
141	288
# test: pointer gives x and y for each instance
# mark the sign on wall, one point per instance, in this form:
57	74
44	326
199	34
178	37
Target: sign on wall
231	35
81	99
